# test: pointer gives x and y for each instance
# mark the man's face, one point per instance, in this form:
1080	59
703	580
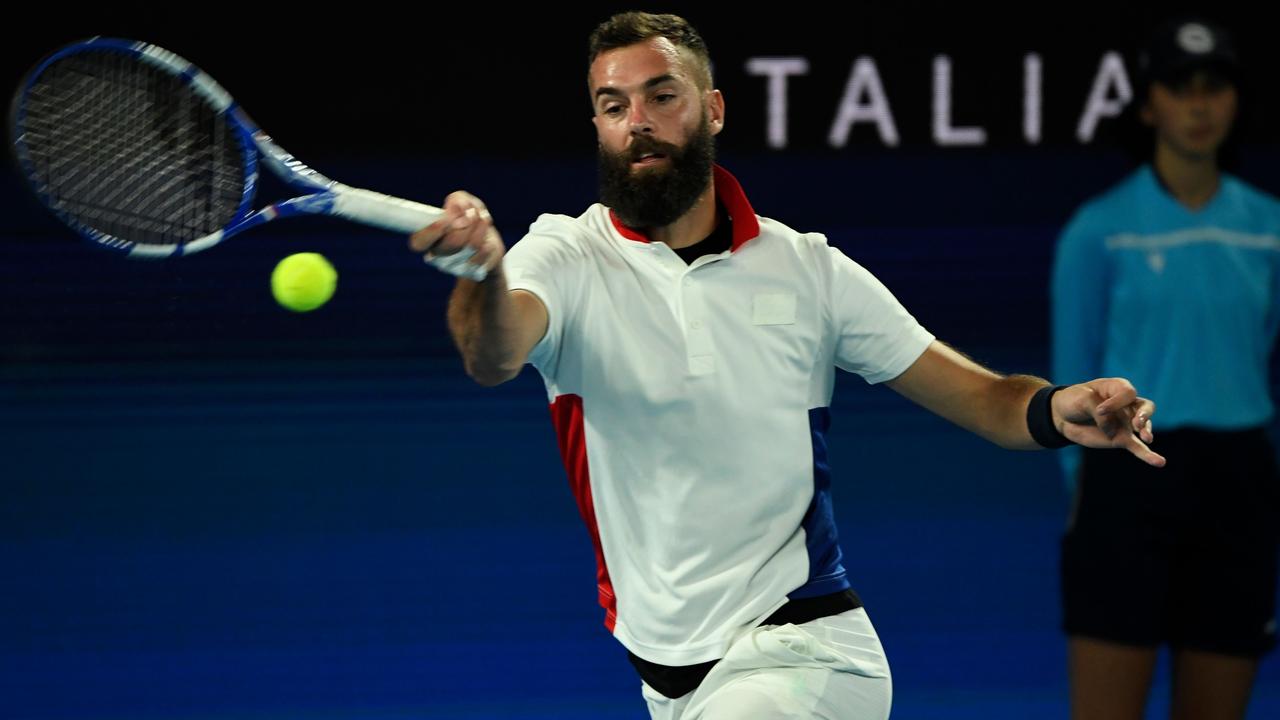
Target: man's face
655	126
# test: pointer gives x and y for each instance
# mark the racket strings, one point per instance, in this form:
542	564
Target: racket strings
131	151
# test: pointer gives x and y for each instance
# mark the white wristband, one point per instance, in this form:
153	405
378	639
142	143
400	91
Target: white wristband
457	265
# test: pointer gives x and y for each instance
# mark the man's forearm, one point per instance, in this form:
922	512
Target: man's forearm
977	399
482	319
994	408
1008	410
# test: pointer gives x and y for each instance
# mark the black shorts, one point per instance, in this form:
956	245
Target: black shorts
1184	554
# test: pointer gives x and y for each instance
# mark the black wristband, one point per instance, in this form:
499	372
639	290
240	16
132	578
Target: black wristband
1040	419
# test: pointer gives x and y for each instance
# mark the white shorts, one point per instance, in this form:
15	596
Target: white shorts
832	668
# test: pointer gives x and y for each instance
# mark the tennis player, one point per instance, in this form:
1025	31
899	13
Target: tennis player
689	347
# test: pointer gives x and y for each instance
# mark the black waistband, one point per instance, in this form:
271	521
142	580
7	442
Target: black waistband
676	681
803	610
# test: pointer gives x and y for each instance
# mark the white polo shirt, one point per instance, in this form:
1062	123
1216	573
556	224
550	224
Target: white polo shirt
690	403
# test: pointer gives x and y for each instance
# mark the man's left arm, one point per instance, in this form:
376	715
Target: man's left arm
1102	413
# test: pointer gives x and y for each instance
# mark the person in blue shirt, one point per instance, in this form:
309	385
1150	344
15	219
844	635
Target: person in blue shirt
1172	279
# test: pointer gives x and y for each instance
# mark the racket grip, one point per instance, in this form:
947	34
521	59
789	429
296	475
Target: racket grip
403	216
383	211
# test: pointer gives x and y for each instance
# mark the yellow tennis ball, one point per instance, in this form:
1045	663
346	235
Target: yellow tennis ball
303	281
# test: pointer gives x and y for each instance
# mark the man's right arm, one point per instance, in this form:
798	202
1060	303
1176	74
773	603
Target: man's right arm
494	328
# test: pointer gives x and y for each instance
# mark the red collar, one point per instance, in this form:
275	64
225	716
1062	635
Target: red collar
729	193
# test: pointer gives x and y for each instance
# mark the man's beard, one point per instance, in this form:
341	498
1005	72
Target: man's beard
657	197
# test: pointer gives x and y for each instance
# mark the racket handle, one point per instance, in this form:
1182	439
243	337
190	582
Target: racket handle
402	216
382	211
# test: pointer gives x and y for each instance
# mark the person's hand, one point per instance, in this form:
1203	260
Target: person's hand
463	241
1106	413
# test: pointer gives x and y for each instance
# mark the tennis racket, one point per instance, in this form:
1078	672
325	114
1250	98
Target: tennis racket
141	152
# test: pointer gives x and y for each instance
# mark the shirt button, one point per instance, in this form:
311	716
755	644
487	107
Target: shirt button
696	324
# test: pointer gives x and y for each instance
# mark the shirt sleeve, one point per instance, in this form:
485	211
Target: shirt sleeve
875	336
547	262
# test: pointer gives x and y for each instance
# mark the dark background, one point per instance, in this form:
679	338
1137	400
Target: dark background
213	508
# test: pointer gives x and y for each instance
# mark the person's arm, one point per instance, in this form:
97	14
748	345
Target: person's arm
1103	413
878	339
494	329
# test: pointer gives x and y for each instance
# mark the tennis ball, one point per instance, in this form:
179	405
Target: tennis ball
303	281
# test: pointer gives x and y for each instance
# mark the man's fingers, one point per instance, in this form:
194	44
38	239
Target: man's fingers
1142	452
1116	392
422	240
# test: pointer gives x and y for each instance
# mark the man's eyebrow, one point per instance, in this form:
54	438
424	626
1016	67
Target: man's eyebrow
651	82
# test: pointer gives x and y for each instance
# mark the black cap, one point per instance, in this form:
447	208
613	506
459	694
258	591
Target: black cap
1177	49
